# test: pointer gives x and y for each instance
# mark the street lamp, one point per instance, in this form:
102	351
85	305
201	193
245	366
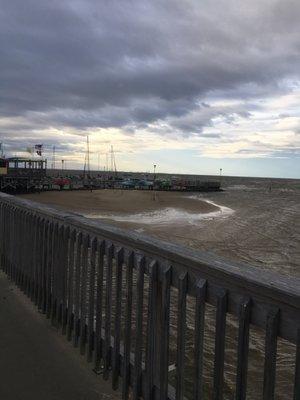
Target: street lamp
154	168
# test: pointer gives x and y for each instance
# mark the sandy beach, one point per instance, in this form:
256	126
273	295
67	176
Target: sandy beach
121	201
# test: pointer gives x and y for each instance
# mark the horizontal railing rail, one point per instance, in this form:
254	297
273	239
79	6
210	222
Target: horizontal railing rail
115	293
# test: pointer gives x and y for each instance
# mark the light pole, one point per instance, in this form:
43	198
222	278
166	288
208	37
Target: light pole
154	179
154	175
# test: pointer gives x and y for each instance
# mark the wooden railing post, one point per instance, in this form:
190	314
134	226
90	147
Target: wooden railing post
161	332
157	334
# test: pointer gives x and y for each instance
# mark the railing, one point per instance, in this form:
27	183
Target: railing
112	293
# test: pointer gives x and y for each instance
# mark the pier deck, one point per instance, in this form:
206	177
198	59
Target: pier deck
36	363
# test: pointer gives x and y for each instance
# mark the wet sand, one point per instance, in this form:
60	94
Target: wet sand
120	202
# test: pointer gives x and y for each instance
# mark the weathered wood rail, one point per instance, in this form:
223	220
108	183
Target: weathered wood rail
90	279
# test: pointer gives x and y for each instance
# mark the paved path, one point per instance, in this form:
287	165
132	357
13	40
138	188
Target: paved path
36	362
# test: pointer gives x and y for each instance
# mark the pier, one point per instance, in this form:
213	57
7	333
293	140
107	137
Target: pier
24	175
109	291
37	363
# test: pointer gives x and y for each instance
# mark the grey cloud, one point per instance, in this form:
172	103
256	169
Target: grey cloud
193	122
288	152
297	131
258	148
212	135
121	64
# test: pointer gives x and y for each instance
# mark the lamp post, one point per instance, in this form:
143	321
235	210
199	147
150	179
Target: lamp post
154	179
154	175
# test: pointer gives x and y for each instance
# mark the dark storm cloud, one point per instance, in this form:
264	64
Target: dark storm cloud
127	64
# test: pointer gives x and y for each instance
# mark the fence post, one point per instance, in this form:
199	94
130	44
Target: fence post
157	335
161	333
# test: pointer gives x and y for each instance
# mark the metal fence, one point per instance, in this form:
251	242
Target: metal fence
111	292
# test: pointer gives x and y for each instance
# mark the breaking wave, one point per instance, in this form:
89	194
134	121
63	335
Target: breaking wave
167	216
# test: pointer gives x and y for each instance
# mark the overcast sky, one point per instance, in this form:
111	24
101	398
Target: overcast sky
192	86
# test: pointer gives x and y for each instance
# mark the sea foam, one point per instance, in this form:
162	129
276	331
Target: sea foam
168	215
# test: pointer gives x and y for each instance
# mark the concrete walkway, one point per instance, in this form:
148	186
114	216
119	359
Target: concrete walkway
36	362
